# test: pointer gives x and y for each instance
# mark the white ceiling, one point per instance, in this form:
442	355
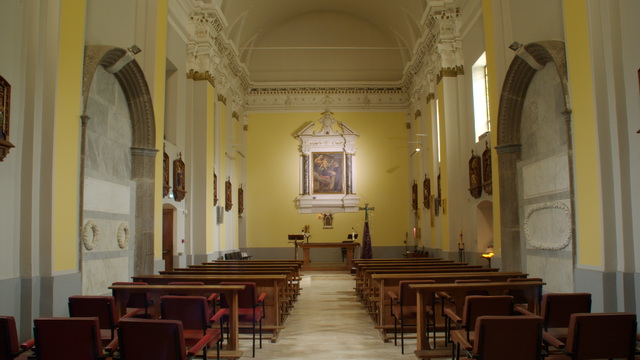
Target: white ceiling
320	41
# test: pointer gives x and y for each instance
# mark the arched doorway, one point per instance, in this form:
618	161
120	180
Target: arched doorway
124	100
535	166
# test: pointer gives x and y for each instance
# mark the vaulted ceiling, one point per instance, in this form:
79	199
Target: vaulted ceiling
324	41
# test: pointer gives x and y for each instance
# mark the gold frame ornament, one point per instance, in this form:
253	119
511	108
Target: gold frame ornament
165	173
240	200
179	179
475	175
228	200
426	192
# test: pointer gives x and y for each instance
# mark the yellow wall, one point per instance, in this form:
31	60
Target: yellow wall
210	214
444	183
494	102
159	38
588	194
381	179
67	130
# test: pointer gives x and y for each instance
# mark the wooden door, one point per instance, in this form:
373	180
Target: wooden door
167	238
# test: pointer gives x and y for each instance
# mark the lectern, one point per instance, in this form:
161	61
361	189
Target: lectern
296	239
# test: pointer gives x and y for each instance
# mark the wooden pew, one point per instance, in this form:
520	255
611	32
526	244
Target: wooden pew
366	289
121	294
276	302
292	289
390	282
532	291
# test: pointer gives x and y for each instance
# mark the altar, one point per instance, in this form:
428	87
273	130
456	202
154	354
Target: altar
349	246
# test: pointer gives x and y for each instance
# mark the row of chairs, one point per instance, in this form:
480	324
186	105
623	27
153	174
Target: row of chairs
187	324
237	255
488	324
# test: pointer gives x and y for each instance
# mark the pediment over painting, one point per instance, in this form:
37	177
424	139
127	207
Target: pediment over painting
327	159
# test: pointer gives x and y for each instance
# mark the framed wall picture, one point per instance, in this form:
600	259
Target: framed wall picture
5	118
328	172
165	173
475	175
215	188
426	192
228	196
487	185
240	200
414	196
179	180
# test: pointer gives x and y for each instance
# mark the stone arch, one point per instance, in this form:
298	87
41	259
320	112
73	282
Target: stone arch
531	58
143	151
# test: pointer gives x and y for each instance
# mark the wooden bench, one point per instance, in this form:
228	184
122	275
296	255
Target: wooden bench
121	294
532	291
390	282
274	285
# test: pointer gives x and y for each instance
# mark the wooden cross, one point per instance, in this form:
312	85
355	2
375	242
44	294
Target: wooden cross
366	209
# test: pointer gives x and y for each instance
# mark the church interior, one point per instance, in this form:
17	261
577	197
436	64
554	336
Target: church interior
139	137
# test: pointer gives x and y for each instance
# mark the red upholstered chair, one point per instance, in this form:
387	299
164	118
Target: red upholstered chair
474	307
211	298
156	339
250	308
597	336
102	307
403	309
196	318
138	300
10	348
505	338
68	338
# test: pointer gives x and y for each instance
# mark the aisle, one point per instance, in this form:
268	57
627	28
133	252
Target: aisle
328	322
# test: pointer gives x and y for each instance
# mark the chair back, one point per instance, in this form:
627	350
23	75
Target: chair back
247	298
479	305
57	338
191	310
137	300
151	339
407	295
102	307
557	308
508	338
9	343
602	336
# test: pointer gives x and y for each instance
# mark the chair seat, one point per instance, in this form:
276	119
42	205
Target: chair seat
192	337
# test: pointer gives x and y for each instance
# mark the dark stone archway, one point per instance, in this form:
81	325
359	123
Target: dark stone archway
517	80
143	151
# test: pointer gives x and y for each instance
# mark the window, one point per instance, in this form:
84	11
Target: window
480	96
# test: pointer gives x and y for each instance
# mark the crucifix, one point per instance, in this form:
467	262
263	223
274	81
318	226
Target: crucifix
366	209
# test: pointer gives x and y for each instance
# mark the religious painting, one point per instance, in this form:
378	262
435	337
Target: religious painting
5	120
426	192
228	202
328	170
327	221
475	175
486	170
215	189
179	179
240	200
414	196
165	173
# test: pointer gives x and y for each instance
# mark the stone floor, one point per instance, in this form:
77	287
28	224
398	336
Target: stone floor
328	322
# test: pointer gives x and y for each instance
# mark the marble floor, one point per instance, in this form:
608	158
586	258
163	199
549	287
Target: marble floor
327	322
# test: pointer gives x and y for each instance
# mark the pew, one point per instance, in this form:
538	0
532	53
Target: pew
121	294
532	291
276	302
389	282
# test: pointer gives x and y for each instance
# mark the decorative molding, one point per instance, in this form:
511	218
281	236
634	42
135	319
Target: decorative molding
123	236
90	235
562	242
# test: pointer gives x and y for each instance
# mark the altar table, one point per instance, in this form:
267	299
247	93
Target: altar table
349	258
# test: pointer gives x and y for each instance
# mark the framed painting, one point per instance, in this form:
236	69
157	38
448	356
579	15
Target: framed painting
328	172
5	107
179	181
426	192
228	200
165	173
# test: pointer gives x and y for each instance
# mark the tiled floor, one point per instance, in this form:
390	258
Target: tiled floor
328	322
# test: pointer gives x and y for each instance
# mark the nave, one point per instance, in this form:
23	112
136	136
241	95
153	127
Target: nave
328	322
